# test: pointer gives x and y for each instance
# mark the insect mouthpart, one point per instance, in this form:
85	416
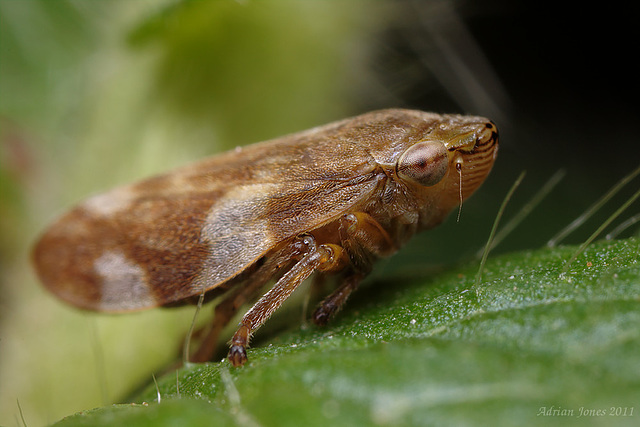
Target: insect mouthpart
487	136
475	163
472	136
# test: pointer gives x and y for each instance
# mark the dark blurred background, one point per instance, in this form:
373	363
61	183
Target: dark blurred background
94	94
560	83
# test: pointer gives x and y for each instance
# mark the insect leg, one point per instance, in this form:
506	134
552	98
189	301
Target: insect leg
223	313
331	304
229	306
314	257
364	239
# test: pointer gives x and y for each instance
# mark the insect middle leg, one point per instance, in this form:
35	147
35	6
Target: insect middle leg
246	290
223	313
315	257
364	239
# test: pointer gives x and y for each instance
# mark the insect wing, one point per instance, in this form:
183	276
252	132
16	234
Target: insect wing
167	238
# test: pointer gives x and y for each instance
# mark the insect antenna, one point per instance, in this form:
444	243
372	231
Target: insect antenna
459	169
488	246
592	209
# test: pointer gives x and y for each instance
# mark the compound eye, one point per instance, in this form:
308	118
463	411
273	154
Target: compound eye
425	163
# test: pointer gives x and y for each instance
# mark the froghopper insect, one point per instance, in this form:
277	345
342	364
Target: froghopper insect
330	201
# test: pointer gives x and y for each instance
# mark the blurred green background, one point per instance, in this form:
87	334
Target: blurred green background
95	94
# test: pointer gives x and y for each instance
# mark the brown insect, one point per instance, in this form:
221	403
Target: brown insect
329	200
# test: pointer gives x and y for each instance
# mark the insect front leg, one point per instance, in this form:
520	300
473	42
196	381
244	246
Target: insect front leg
364	240
331	304
314	257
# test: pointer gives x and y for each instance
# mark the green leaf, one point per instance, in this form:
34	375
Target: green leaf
186	412
528	344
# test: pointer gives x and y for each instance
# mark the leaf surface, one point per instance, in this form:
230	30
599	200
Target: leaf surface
527	343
